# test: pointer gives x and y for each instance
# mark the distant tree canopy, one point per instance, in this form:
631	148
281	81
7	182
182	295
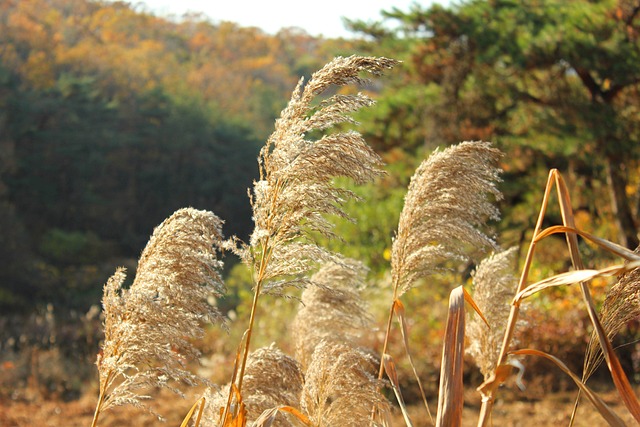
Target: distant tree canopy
110	120
554	82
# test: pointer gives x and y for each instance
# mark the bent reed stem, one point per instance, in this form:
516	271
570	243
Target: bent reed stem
487	400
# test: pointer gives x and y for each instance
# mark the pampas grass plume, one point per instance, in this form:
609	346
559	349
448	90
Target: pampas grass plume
295	191
494	284
446	207
148	327
340	388
272	379
332	309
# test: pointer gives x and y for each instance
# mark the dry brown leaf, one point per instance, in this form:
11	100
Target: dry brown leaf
607	413
451	393
390	369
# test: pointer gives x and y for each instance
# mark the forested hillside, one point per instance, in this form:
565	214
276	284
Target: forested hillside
111	119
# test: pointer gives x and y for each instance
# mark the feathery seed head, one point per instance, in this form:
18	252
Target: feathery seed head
494	284
621	305
340	386
295	191
272	379
332	310
445	209
148	326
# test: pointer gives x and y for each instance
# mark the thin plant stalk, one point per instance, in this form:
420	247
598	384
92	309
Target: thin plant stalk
488	394
96	414
386	344
388	331
254	307
264	259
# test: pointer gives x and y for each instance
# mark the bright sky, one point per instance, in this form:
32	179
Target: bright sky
320	17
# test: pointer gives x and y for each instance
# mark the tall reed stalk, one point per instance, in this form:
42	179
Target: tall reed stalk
295	191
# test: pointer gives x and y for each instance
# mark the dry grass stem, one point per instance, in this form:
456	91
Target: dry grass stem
148	327
494	283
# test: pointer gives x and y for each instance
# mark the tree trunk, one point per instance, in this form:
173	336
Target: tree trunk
620	206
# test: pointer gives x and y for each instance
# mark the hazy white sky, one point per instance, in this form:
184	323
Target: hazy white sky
319	17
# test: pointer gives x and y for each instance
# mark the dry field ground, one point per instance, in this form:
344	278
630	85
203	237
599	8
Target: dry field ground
551	410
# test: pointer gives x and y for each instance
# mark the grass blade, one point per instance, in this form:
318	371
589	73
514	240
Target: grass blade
469	299
390	369
398	308
607	413
451	393
189	415
614	248
572	277
268	417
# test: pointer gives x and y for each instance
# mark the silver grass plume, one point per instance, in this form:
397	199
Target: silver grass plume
272	379
340	388
148	327
296	190
445	209
621	305
494	284
331	310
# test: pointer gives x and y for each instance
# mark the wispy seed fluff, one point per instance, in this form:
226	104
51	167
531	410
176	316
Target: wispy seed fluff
149	327
332	310
621	305
272	379
340	387
296	190
449	200
494	285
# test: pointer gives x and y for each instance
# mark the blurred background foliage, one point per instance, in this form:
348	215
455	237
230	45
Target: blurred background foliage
112	118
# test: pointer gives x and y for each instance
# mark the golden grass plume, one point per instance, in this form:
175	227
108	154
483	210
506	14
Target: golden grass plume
340	387
494	285
446	208
332	309
148	327
272	379
295	191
